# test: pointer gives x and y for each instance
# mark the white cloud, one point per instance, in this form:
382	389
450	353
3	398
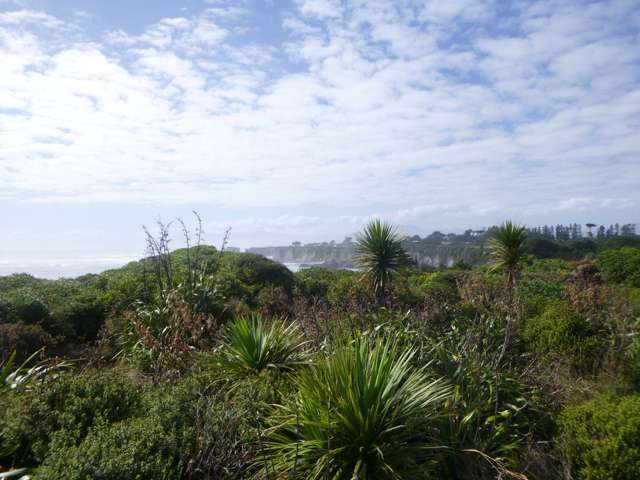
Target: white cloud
22	17
208	33
321	8
401	104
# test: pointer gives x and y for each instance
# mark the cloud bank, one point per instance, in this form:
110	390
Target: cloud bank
462	109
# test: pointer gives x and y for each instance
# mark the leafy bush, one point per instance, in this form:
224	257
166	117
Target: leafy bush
24	339
61	410
536	294
632	361
274	302
565	249
600	439
315	281
490	410
123	287
537	287
136	448
23	306
441	285
621	265
215	425
162	339
543	248
244	275
634	300
72	308
83	315
555	267
356	415
198	428
347	288
560	331
18	280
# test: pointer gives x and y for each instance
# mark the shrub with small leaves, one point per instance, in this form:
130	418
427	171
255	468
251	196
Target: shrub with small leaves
601	438
560	331
621	265
62	410
214	422
441	286
135	449
536	293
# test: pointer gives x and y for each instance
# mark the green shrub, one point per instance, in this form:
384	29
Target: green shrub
136	449
315	281
347	288
199	428
550	267
420	290
244	275
632	361
543	247
23	339
82	315
23	306
560	331
621	265
536	294
601	439
537	287
18	280
491	410
215	425
72	308
634	301
123	287
61	410
441	285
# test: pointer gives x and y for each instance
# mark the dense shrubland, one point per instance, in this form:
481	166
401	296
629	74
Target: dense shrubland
202	364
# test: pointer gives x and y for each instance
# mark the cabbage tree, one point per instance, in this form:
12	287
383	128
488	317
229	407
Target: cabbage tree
380	254
507	247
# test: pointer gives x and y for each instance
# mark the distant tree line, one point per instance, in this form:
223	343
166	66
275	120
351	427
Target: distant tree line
574	231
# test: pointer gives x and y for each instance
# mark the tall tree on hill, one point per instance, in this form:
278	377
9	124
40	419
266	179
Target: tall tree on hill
562	233
576	231
380	254
628	230
507	249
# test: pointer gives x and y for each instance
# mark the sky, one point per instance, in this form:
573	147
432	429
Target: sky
300	120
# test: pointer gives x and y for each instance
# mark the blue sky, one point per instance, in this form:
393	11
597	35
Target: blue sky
300	120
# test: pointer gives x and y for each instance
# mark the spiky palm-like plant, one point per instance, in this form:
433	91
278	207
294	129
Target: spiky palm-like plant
251	345
355	416
12	377
507	249
379	253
